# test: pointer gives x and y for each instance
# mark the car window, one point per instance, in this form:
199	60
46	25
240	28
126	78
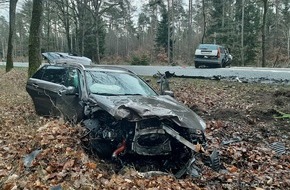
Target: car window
39	73
116	83
207	46
55	74
222	50
72	78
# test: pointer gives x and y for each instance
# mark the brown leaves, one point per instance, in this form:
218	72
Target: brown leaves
91	165
234	114
230	109
232	169
68	165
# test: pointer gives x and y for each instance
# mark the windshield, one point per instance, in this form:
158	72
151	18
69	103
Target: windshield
116	84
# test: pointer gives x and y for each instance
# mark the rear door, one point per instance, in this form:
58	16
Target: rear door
37	93
44	87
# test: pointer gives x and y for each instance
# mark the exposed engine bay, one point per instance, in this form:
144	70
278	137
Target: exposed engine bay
148	144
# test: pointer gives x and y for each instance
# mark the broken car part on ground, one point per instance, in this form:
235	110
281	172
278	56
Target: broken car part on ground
126	120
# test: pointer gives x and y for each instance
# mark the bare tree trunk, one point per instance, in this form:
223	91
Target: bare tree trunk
12	12
48	27
204	22
265	4
172	33
56	37
63	6
97	6
98	59
242	33
67	32
276	41
82	40
3	48
67	26
34	37
117	46
168	31
190	44
288	45
223	15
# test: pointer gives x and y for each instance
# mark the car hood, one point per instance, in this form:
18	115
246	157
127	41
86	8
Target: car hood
135	108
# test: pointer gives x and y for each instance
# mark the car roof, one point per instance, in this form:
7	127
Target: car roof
108	68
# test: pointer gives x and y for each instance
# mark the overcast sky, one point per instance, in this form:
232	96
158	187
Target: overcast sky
4	8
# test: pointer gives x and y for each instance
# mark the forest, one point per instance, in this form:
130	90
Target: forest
248	123
257	32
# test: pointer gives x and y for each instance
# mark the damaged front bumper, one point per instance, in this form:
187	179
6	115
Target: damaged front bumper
190	167
155	128
177	151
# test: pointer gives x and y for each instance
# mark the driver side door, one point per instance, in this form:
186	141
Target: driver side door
69	97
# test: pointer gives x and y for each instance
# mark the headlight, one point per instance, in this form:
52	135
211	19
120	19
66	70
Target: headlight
202	123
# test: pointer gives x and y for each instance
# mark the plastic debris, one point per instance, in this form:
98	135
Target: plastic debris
232	140
152	174
28	159
58	187
215	160
278	147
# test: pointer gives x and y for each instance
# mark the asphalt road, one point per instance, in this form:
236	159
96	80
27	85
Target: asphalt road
234	73
240	72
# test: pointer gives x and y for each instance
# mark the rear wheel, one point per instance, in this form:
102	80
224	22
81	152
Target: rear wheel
219	66
223	65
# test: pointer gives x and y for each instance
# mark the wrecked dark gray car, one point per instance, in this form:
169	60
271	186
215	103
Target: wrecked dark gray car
125	118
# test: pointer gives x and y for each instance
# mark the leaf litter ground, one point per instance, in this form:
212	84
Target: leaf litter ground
240	124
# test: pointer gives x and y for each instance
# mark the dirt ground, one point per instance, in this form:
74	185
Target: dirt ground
241	125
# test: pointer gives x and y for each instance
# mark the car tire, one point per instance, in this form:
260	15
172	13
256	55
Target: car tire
223	65
219	66
197	65
101	147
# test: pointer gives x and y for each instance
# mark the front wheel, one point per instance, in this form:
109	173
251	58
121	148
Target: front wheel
93	141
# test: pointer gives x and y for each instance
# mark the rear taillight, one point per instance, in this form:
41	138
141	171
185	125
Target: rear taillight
219	53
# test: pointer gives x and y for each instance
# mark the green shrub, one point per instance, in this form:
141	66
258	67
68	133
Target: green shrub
140	60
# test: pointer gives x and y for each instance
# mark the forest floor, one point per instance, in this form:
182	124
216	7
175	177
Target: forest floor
241	124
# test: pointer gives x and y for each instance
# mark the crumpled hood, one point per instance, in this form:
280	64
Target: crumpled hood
136	108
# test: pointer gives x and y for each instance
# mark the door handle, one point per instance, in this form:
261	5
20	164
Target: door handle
60	92
35	85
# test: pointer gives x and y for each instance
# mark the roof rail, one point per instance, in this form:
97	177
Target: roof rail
69	62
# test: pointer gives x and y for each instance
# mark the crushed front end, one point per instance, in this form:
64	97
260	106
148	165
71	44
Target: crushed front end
146	140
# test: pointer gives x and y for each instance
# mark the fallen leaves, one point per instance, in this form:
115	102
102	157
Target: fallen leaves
235	113
240	128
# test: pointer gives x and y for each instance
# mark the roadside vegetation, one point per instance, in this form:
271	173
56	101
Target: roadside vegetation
162	32
241	125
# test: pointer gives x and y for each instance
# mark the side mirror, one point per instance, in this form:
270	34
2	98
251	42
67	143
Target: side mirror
169	93
148	80
71	90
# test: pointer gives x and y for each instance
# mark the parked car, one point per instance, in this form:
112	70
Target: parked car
122	113
212	55
54	56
